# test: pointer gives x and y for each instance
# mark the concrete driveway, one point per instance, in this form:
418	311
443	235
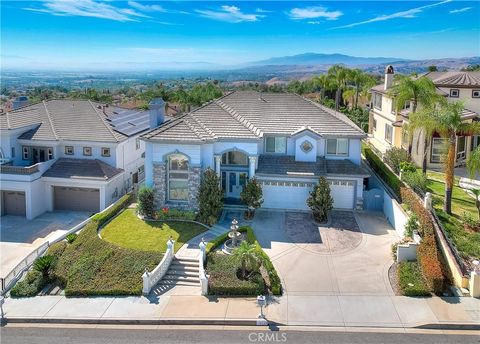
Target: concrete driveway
349	256
19	236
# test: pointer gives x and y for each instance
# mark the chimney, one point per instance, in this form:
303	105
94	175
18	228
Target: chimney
157	112
389	73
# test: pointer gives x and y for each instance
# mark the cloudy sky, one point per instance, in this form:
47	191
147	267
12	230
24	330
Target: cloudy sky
95	34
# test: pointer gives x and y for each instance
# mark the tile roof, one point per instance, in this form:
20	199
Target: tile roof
465	79
285	165
250	115
82	169
76	120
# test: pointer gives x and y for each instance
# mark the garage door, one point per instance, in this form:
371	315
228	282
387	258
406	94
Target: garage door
293	195
343	192
14	203
78	199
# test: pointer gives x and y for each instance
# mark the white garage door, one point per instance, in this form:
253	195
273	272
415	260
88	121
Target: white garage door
288	195
342	192
78	199
14	203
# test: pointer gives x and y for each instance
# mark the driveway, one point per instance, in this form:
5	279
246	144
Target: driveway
19	236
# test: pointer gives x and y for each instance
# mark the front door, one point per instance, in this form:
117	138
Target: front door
236	182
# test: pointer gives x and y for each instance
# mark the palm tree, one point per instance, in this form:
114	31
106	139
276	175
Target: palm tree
323	81
449	124
473	162
338	76
247	255
417	91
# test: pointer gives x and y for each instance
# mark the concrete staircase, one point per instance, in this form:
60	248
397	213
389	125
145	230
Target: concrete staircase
182	271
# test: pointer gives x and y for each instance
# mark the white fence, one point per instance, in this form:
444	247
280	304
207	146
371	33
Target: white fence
152	278
201	268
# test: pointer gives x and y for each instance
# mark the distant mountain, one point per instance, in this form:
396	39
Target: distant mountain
325	59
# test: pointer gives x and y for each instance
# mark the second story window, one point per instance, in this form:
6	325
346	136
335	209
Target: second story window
337	147
87	151
69	150
377	100
25	153
50	153
388	133
276	144
454	93
476	94
137	143
105	151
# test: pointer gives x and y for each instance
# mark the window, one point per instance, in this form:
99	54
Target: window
438	149
388	133
454	93
137	143
234	158
475	93
374	124
178	177
141	169
337	146
461	147
105	151
25	153
50	153
13	152
276	144
404	138
377	100
69	150
87	151
306	146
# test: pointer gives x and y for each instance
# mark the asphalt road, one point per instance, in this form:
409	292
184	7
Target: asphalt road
31	335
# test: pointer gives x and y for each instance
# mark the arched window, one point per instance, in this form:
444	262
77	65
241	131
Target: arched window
235	158
178	177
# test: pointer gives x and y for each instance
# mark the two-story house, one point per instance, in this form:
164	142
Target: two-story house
71	155
387	126
287	142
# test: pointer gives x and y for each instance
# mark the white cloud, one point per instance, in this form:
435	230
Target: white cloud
261	10
146	8
313	13
460	10
313	22
88	8
402	14
231	14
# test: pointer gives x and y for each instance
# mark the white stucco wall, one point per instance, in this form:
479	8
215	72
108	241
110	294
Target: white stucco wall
300	155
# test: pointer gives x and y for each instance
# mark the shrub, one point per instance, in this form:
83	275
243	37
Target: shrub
246	255
469	221
406	166
411	225
414	203
105	216
30	286
146	200
56	250
252	194
44	264
210	198
416	180
175	214
411	280
383	171
71	237
320	200
394	157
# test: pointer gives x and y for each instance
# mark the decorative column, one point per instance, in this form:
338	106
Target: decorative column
217	164
252	162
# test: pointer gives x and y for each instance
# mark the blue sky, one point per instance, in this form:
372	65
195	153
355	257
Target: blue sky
95	34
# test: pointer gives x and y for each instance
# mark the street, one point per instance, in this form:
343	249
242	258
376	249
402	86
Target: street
88	335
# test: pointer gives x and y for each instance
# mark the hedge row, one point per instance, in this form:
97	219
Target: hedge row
275	283
383	171
429	257
92	266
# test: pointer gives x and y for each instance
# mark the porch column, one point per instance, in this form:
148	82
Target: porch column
252	160
217	164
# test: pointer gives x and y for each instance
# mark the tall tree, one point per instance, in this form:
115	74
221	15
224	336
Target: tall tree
338	76
323	81
210	198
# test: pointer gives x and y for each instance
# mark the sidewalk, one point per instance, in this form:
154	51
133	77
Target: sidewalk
317	310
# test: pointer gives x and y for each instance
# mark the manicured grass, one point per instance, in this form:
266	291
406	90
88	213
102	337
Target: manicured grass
467	244
410	280
127	230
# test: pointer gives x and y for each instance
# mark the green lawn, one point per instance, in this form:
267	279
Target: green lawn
468	244
127	230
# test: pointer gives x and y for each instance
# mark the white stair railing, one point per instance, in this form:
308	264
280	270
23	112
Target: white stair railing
202	257
151	278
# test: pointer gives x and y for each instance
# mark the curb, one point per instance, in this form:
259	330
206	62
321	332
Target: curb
450	326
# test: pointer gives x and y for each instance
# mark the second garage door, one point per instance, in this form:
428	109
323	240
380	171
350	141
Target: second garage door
77	199
343	192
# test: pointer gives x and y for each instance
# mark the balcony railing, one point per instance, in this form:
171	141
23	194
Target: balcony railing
25	170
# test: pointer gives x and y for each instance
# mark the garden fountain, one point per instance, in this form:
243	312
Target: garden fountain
235	238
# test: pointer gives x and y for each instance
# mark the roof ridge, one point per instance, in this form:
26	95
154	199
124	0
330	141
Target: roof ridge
50	120
338	115
8	120
237	116
109	128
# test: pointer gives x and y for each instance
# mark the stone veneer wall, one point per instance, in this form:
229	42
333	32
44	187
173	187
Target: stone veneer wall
160	187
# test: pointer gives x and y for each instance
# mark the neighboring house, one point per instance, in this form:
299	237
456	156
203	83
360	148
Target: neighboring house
285	141
387	126
70	155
